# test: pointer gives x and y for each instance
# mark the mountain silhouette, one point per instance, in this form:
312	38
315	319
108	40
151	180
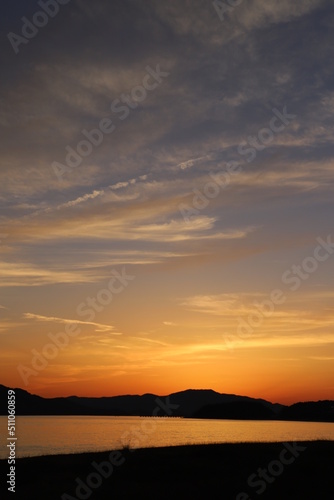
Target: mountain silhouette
239	410
192	403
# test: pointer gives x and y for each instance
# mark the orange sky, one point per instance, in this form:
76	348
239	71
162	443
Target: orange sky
285	359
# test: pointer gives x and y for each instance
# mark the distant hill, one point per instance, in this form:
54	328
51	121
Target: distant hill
192	403
240	410
321	411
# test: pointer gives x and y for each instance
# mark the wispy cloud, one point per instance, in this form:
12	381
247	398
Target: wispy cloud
151	341
120	206
51	319
190	163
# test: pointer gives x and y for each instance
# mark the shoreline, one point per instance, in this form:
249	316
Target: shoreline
294	470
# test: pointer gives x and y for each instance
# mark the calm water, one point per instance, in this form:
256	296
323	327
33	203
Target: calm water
54	435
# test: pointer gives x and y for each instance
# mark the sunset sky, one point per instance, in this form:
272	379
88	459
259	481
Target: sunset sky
204	191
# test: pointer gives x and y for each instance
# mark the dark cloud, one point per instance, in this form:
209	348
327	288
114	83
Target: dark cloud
224	79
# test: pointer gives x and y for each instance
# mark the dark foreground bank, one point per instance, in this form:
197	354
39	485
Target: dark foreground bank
245	471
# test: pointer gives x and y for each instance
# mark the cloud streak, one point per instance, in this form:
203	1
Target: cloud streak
51	319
